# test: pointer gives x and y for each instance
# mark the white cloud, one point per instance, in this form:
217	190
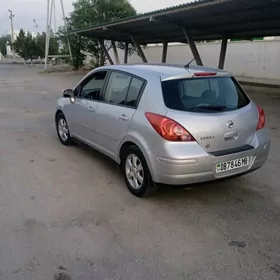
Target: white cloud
27	10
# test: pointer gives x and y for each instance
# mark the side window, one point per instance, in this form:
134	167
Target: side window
92	87
133	92
117	88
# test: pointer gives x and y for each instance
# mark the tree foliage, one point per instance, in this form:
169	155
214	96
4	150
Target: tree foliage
88	13
94	12
21	45
41	42
29	47
76	42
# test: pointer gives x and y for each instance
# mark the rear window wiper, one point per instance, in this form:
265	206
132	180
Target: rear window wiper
209	107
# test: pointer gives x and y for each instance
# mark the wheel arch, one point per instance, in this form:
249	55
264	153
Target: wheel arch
132	142
58	112
124	146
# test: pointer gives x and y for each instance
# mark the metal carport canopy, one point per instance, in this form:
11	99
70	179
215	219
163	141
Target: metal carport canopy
204	20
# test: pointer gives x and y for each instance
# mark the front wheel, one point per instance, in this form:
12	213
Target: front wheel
136	173
63	130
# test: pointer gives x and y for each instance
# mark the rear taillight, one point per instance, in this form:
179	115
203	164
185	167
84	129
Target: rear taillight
261	122
168	128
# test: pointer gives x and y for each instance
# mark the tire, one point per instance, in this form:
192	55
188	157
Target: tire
65	137
139	183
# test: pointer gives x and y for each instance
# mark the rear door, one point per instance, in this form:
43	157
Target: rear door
116	109
215	110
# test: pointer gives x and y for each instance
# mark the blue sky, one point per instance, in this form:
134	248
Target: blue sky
27	10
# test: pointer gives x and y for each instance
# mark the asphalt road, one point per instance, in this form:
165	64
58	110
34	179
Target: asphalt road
65	212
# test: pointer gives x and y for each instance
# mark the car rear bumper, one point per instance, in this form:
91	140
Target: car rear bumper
202	167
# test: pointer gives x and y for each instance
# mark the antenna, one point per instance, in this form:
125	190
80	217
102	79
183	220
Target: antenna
188	65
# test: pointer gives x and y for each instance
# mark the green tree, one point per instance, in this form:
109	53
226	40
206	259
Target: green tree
41	44
3	42
31	48
20	45
25	46
77	44
94	12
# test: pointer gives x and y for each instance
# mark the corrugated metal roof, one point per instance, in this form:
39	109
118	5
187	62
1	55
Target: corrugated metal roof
205	19
141	15
168	9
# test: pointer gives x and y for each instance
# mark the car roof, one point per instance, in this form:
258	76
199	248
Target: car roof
164	70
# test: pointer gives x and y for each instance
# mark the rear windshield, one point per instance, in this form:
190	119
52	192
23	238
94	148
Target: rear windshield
214	94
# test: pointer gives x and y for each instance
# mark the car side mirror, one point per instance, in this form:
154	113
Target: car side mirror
69	93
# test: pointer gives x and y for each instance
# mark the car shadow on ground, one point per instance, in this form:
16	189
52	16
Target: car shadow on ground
230	190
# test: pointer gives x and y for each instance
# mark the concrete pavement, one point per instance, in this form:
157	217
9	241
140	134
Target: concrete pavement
65	212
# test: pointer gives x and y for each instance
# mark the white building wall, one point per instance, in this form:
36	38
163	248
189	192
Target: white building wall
257	59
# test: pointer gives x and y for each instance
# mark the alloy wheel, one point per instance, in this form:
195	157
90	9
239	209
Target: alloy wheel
134	171
63	129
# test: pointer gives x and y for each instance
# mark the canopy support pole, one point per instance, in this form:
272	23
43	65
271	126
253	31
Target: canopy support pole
117	59
223	52
101	42
164	52
139	49
193	47
126	53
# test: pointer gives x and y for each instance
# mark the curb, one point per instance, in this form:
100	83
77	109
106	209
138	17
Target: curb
247	83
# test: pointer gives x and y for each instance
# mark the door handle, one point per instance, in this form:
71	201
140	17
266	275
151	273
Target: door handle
123	118
90	109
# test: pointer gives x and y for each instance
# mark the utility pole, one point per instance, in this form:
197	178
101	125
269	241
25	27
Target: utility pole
47	35
66	26
54	19
11	17
50	12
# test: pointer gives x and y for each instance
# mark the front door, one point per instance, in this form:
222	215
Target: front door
85	106
115	110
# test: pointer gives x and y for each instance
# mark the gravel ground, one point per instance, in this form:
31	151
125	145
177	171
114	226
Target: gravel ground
65	212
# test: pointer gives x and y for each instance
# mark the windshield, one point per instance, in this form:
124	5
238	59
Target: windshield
209	94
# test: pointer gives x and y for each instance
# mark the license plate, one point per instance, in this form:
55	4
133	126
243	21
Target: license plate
232	164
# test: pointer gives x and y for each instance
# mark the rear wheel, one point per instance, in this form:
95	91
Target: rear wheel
63	130
136	173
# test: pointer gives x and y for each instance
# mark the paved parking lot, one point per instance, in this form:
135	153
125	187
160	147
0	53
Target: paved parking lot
65	212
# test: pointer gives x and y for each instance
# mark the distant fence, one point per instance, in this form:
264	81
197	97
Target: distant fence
257	59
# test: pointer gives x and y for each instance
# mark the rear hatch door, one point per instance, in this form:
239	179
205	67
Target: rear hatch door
215	110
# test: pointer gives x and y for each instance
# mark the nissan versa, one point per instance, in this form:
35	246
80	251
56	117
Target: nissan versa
165	124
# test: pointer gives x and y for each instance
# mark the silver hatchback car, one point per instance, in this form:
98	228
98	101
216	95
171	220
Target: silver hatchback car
165	124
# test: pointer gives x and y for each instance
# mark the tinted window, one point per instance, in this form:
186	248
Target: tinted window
117	88
133	92
92	87
204	94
